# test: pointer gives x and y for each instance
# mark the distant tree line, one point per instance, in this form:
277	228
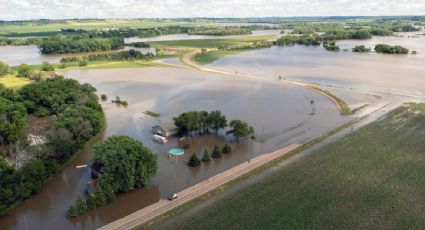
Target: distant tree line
306	39
115	56
200	122
227	30
65	45
18	41
123	164
76	117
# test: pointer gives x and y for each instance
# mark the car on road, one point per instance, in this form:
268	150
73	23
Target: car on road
172	196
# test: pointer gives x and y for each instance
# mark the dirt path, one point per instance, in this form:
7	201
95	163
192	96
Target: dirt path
163	206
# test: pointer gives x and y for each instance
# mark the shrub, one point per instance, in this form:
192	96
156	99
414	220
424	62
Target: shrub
206	157
227	148
216	152
194	161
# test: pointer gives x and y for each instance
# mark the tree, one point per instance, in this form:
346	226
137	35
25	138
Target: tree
240	129
194	161
216	152
206	157
227	148
81	205
72	212
217	120
126	163
4	69
99	197
23	70
12	120
90	201
45	66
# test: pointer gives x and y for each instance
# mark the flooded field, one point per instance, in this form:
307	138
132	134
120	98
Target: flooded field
364	72
172	37
16	55
281	114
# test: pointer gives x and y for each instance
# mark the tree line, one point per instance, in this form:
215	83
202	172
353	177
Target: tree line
200	122
67	45
131	54
76	117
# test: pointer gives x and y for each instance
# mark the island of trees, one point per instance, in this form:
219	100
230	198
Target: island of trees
361	49
67	115
121	164
201	122
66	45
387	49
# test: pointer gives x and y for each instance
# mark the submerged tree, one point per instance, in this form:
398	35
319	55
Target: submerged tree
194	161
217	153
206	157
240	129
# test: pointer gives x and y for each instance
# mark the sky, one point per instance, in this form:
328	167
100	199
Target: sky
64	9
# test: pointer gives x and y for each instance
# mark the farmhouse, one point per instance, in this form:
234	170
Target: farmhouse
165	129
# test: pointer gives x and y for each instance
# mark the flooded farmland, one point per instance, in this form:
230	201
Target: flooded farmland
281	114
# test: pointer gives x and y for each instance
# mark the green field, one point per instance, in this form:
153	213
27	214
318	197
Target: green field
373	178
29	28
13	82
211	56
211	43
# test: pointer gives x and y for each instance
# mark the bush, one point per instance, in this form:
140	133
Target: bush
206	157
216	152
227	148
72	212
194	161
23	70
361	49
4	69
103	97
383	48
47	66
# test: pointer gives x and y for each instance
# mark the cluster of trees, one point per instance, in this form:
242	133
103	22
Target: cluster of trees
346	34
200	122
361	49
123	164
76	117
115	56
217	152
4	69
138	44
18	41
383	48
65	45
227	30
309	39
330	46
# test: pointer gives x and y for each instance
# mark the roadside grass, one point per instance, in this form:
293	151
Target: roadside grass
372	178
14	82
152	114
204	58
343	106
211	43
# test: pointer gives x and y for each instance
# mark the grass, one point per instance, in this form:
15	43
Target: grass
211	56
372	178
13	82
343	106
152	114
211	43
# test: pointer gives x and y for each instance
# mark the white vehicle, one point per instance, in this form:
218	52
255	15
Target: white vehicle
172	196
159	138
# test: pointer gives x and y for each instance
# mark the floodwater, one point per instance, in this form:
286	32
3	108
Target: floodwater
16	55
172	37
280	113
361	72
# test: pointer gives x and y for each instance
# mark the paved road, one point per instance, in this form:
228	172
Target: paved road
163	206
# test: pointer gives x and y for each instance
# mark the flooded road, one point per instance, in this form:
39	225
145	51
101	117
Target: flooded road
281	114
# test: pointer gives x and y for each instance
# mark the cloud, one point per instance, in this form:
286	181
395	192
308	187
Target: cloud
56	9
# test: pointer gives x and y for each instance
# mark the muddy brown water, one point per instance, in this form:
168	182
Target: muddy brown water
280	113
365	72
